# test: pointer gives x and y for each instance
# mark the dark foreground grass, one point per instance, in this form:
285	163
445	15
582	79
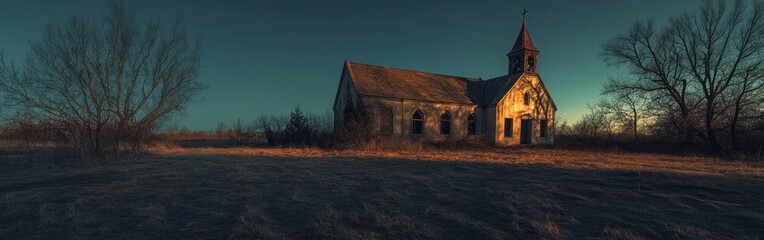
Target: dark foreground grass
269	196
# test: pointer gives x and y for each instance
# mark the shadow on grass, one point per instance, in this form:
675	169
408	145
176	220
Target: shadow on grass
232	196
215	143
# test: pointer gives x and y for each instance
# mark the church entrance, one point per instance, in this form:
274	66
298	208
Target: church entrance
526	131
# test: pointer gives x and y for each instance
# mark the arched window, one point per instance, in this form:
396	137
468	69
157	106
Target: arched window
445	123
417	122
531	64
527	98
471	124
516	65
384	120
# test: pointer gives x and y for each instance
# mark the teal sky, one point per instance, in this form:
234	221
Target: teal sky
268	56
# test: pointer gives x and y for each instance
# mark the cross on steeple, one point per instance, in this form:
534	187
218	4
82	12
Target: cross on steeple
523	57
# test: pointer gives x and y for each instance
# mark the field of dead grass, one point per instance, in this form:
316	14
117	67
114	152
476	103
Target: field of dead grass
573	159
241	193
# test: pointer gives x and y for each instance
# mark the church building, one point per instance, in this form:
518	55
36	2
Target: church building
512	109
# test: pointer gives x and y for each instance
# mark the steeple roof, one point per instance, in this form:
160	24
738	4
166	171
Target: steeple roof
523	41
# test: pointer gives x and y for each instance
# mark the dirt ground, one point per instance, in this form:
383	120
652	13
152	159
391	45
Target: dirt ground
219	193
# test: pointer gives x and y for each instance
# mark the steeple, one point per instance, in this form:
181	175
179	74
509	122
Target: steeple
524	56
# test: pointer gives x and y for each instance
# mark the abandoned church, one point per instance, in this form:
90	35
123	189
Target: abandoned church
512	109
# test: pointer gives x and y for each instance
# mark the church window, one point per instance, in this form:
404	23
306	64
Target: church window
531	64
543	126
384	121
471	124
417	122
508	126
445	123
527	99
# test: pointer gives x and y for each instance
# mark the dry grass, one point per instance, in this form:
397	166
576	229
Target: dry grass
574	159
261	193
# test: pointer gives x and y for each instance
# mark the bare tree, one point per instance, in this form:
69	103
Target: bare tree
627	108
273	127
241	134
702	63
655	65
747	100
221	130
323	123
597	124
561	127
111	81
716	44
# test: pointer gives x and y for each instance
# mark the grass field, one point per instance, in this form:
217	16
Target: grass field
220	193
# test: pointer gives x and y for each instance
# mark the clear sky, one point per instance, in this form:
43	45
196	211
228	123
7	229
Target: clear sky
268	56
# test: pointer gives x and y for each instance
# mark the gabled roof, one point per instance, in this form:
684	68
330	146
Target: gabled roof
378	81
496	88
386	82
523	41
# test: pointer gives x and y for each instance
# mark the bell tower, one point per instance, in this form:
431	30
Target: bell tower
524	57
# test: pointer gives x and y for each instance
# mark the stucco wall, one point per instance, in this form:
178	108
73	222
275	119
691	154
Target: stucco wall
490	120
344	90
403	110
513	106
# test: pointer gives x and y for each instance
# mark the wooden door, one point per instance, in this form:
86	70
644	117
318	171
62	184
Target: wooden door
526	131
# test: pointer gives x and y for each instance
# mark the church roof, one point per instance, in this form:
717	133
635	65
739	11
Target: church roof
389	82
523	41
496	88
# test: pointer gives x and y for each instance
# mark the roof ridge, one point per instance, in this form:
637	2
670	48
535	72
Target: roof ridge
415	71
518	74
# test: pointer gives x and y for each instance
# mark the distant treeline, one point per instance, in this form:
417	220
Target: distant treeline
294	130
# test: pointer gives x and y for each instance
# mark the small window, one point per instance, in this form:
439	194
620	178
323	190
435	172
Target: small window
471	124
531	64
445	123
508	126
543	126
527	99
417	122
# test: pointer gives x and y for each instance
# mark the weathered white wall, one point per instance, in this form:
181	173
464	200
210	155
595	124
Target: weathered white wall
490	120
512	106
403	110
345	86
